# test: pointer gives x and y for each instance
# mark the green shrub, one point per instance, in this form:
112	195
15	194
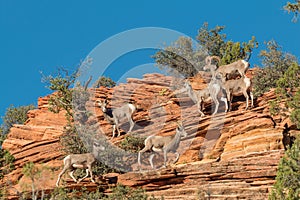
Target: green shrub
275	63
6	162
62	194
288	175
71	141
121	192
288	90
104	81
15	115
61	83
2	136
6	159
132	143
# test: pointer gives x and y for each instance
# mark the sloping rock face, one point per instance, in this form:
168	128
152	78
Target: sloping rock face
246	177
36	141
230	155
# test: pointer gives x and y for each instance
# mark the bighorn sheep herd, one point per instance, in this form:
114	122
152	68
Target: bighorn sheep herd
234	87
221	87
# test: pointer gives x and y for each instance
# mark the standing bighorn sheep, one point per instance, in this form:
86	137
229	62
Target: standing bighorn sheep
113	116
80	161
165	144
237	87
201	96
241	66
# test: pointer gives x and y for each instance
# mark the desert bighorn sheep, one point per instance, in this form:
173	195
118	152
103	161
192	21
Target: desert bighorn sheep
241	66
80	161
237	87
113	116
163	144
201	96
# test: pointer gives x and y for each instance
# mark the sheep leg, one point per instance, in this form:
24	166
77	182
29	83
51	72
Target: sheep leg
251	96
146	148
200	107
247	99
151	160
86	175
72	176
224	99
215	100
131	123
117	127
214	90
177	157
139	158
60	174
119	132
91	173
114	131
229	98
165	158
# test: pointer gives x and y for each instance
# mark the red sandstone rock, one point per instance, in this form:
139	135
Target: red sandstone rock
232	155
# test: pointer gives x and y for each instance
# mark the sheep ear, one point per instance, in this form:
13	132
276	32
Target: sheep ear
98	102
220	75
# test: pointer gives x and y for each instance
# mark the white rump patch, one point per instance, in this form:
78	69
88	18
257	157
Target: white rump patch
246	64
131	106
247	81
156	149
223	99
66	158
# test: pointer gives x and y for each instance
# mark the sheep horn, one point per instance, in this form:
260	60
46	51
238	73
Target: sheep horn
216	58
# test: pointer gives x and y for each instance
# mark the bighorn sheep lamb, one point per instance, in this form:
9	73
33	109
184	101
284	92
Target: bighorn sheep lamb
163	144
241	66
81	161
237	87
201	96
113	116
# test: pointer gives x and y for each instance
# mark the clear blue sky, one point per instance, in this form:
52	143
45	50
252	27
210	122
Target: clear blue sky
41	35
